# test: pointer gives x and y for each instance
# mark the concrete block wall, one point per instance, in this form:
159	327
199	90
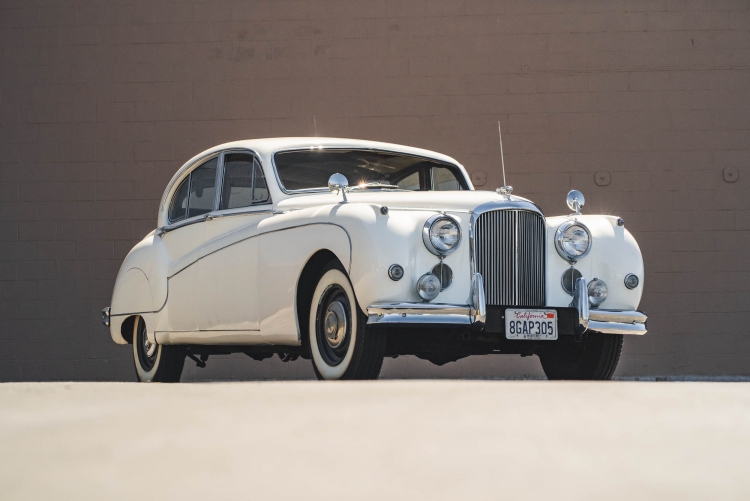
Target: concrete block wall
101	101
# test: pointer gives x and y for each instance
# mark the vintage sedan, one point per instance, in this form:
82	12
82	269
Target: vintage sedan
346	251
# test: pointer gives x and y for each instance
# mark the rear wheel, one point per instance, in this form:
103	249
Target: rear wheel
595	358
341	343
155	362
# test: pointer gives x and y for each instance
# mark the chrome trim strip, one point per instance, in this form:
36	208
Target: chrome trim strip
479	302
187	168
233	243
349	237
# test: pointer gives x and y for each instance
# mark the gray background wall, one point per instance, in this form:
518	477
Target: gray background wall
101	102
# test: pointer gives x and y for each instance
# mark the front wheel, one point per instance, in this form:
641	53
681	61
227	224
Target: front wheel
341	344
594	358
155	363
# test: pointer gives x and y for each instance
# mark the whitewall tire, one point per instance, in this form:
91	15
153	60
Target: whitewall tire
155	362
342	346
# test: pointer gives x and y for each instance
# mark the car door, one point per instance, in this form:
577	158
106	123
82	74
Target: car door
183	239
228	272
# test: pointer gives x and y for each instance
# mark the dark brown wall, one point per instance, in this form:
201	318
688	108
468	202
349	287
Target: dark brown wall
100	103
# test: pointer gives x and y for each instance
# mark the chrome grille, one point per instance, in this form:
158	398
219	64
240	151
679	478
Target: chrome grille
509	249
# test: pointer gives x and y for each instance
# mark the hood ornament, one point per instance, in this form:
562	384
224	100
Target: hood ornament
505	191
575	201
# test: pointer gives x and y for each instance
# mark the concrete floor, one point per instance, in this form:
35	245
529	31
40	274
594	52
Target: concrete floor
375	440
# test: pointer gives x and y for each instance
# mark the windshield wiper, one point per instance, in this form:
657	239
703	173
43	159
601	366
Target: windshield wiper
374	185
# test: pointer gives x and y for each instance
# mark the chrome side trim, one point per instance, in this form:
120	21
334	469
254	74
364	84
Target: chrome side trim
233	243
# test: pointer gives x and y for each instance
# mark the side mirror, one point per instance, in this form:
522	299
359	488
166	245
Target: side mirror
338	182
575	201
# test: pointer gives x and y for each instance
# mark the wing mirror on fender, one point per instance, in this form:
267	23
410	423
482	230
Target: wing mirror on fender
575	201
338	182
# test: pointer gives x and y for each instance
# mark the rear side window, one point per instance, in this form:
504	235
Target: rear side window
196	194
244	184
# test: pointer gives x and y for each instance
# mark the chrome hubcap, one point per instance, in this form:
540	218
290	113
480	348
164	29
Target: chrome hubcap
335	324
149	348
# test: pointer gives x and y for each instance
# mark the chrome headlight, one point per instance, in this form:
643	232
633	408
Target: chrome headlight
441	234
572	240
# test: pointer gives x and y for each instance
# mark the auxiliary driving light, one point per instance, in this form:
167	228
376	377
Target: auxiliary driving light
428	286
597	292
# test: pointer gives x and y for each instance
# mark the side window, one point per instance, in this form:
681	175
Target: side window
410	182
244	183
237	190
178	208
443	179
202	189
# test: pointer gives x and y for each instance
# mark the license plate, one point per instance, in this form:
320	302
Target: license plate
531	324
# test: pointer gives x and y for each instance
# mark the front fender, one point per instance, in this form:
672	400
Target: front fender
613	255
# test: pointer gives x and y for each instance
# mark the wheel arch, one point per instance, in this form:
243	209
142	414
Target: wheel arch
308	279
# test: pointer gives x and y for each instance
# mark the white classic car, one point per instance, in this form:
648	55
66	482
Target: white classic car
346	251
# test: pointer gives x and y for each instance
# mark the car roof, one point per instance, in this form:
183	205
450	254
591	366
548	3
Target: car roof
269	146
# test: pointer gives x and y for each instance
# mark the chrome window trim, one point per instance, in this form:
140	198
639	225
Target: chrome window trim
180	178
186	170
346	148
220	182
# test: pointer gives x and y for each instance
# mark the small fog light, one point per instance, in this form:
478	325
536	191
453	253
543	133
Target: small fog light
597	292
396	272
631	281
428	286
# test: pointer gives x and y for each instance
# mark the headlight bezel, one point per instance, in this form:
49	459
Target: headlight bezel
427	237
559	235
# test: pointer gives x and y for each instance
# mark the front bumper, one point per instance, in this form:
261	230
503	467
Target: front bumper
629	322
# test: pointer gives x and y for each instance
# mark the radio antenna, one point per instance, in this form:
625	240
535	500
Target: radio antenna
505	190
502	160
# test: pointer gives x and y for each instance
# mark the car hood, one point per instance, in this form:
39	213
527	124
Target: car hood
432	200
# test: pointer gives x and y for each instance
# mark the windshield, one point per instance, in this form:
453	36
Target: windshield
365	169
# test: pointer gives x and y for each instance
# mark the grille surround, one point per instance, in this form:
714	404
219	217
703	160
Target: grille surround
510	249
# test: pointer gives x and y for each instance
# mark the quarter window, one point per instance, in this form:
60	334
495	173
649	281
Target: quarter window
196	194
244	183
444	180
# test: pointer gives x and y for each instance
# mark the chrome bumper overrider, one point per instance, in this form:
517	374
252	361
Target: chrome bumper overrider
603	321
